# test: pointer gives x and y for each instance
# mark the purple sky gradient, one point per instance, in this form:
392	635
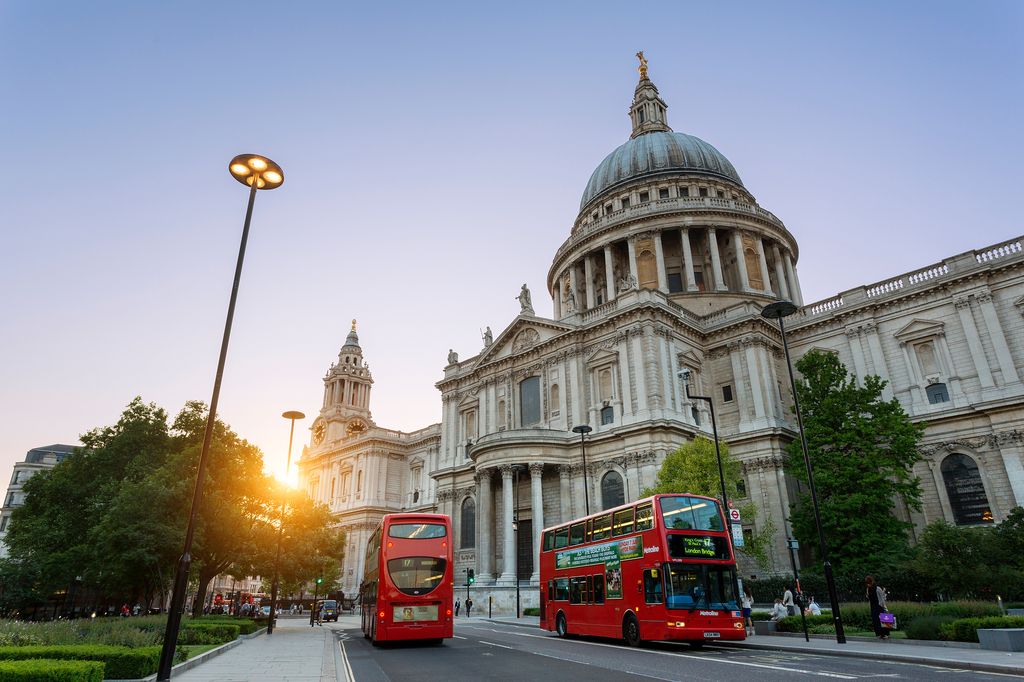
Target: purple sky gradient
434	155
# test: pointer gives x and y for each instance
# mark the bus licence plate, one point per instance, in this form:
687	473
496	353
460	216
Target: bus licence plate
712	635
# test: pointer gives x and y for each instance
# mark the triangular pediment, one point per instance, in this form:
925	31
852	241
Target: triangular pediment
602	355
920	329
690	359
525	332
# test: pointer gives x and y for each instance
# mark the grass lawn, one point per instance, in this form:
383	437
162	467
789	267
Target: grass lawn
196	649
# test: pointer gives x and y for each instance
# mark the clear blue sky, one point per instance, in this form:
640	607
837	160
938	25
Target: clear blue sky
435	154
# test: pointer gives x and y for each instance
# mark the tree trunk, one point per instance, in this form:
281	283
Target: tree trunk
200	598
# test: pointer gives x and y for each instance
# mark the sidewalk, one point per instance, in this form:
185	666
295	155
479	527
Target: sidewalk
294	653
902	651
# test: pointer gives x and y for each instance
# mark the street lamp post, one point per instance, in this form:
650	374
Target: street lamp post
777	311
583	430
258	172
718	456
292	415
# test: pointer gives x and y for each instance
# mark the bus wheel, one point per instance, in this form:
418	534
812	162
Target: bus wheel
631	631
561	627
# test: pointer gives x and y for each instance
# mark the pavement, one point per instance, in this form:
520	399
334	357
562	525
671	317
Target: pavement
942	655
296	652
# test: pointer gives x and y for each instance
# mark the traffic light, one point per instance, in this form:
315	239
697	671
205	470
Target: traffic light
470	576
319	581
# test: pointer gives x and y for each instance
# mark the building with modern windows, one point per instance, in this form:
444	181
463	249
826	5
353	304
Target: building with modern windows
666	267
36	460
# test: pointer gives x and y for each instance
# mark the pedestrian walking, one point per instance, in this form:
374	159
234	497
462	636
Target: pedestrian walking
787	601
876	597
469	607
458	605
748	605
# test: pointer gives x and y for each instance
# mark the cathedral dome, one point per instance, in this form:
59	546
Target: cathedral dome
656	152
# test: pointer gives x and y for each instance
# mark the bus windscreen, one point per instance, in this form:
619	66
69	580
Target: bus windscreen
700	586
690	513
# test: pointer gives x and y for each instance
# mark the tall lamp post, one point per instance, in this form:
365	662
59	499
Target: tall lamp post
777	311
583	430
292	415
258	172
684	374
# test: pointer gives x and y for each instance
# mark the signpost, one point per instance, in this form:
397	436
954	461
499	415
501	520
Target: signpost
737	527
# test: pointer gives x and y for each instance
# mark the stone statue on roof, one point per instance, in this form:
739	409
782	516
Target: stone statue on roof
525	301
453	357
643	65
488	338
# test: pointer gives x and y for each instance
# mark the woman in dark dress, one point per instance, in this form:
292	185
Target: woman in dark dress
876	597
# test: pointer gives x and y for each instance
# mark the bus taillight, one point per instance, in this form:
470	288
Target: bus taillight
381	615
449	612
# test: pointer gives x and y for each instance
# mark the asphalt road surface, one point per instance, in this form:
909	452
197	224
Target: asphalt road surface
483	651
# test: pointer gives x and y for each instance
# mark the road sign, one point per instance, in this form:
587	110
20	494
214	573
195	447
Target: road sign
734	515
737	535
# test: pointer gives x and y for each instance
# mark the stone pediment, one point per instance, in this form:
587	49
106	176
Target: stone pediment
920	329
525	332
690	359
601	356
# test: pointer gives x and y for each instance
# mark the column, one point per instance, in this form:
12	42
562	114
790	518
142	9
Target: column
691	279
556	298
857	350
565	493
756	382
995	334
588	272
914	379
609	272
763	262
1013	462
537	495
627	394
878	358
632	480
508	555
739	392
963	309
631	245
577	407
716	260
794	283
741	262
659	257
485	526
780	274
639	358
574	305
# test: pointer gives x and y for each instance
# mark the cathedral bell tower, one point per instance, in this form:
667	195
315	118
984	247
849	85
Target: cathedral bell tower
347	385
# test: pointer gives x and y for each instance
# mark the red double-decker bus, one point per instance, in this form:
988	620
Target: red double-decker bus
661	568
407	585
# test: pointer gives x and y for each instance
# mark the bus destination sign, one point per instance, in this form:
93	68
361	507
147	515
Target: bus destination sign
698	547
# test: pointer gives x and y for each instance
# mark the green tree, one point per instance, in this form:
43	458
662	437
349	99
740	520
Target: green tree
862	449
693	468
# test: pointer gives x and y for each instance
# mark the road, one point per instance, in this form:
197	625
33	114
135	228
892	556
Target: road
483	650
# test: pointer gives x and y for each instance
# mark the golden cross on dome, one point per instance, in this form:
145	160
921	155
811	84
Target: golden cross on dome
643	65
353	324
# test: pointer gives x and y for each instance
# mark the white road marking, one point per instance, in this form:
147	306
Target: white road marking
696	658
457	637
348	666
493	644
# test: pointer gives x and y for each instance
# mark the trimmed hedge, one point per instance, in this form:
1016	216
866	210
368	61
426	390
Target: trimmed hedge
794	624
966	629
246	626
531	611
119	662
207	633
50	670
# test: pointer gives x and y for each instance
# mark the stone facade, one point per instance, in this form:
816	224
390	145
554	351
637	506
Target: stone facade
667	267
36	460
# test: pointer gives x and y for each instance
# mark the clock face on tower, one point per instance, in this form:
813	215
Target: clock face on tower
355	427
319	431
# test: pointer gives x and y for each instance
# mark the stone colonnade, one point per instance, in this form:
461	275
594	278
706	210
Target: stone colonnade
715	259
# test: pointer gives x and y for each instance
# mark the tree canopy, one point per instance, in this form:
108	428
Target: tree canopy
862	450
112	516
693	468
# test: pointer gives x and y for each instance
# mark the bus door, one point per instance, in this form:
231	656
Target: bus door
654	593
544	590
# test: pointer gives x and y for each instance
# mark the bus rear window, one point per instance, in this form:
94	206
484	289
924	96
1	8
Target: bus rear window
690	513
549	540
562	538
416	575
417	531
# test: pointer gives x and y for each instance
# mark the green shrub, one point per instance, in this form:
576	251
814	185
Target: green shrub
925	627
131	632
49	670
760	615
246	626
207	633
120	662
794	624
966	629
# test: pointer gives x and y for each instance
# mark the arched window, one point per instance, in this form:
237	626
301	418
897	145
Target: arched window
555	401
611	490
359	482
607	415
966	491
467	524
647	270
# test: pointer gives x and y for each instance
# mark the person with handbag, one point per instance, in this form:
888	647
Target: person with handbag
876	597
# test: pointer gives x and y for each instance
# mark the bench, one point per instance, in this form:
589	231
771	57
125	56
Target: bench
1001	639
